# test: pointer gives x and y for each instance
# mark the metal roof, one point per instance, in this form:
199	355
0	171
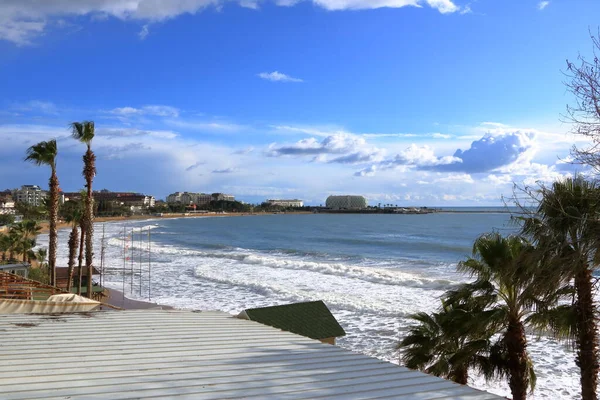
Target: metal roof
192	355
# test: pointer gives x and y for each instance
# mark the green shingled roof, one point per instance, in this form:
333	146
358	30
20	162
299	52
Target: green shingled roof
312	319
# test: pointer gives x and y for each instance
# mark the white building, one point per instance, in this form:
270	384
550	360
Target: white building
191	198
286	203
223	196
174	197
346	202
30	194
7	205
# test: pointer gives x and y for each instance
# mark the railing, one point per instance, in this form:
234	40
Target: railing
16	287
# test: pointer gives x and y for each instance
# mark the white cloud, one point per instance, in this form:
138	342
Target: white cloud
455	178
44	107
252	4
543	4
205	126
21	21
370	171
443	6
245	151
229	170
195	165
152	110
156	160
277	76
339	148
130	132
144	32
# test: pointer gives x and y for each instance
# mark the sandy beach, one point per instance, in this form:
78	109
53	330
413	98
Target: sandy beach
117	299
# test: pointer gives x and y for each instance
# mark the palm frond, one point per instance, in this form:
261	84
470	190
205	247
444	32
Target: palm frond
83	131
42	153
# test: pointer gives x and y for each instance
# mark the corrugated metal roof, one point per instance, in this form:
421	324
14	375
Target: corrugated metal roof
192	355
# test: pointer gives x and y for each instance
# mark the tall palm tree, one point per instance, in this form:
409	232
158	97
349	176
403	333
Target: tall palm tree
44	153
566	229
74	217
442	344
506	278
84	132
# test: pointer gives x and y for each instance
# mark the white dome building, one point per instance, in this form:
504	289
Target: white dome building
346	202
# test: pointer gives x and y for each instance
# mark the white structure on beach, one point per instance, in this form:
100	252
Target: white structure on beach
346	202
286	203
29	194
168	354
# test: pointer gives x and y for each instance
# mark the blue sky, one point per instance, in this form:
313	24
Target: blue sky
413	102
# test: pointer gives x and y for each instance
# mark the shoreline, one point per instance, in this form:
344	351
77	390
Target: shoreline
118	299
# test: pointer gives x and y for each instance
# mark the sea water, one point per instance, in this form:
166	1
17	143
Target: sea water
373	271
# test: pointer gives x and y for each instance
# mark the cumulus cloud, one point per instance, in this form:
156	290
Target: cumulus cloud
491	152
277	76
21	21
345	149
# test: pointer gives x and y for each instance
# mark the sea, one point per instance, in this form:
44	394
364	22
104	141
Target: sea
372	271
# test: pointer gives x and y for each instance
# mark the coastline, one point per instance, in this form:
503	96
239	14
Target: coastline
64	225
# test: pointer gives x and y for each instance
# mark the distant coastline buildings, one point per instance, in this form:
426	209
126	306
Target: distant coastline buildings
286	203
136	202
32	195
198	199
347	202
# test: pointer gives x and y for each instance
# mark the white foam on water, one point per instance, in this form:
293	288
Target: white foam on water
371	302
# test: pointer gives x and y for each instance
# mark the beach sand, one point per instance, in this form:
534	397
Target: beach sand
116	298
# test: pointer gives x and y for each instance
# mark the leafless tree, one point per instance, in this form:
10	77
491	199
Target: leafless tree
583	81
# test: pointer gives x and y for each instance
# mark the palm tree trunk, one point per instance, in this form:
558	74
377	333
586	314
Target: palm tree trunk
89	171
81	243
53	234
461	375
73	243
516	344
587	337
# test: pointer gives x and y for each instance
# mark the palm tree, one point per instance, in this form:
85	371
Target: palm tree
74	217
44	153
566	229
5	245
23	238
505	279
84	132
441	344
